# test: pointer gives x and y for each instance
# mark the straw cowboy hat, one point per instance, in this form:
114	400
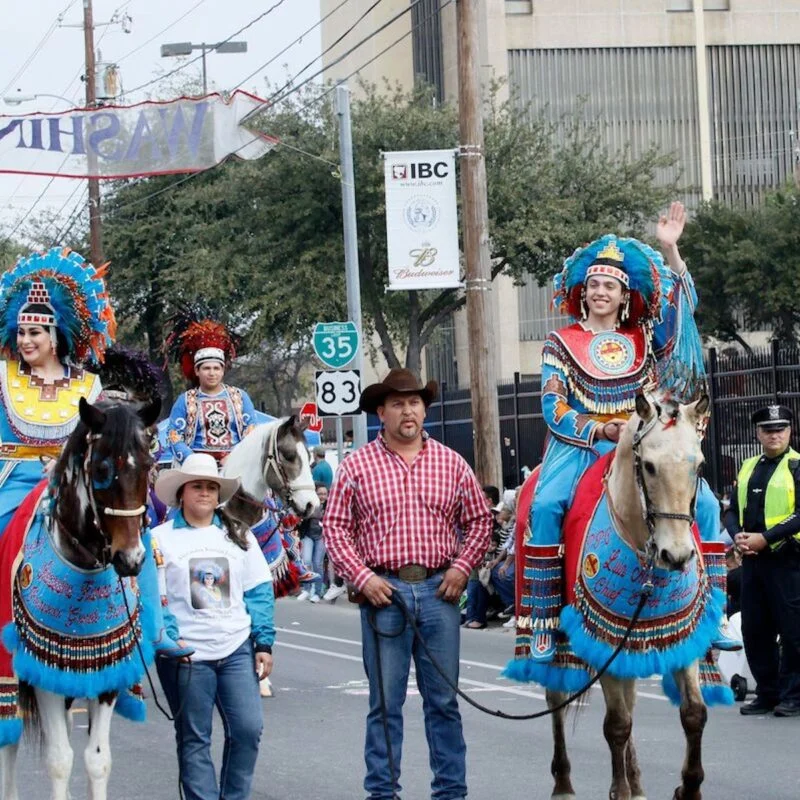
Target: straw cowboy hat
398	381
198	466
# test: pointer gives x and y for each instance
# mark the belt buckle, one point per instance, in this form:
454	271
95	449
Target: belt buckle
412	573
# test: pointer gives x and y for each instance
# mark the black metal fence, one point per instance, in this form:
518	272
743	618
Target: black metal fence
739	383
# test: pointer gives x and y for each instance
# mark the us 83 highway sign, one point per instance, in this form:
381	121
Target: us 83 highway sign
338	392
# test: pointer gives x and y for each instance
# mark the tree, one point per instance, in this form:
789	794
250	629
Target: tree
263	240
745	264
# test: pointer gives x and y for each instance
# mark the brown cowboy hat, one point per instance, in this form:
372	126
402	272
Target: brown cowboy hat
398	381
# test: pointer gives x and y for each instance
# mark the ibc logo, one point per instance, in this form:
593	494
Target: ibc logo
419	170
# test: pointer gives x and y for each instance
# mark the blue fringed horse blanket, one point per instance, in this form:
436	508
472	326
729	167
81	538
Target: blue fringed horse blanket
603	579
64	629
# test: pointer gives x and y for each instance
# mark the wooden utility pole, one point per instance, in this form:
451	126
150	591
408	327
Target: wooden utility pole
475	217
95	223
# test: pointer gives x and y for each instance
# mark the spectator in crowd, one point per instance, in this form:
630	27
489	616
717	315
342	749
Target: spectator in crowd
764	519
478	587
321	470
406	517
231	629
312	547
734	564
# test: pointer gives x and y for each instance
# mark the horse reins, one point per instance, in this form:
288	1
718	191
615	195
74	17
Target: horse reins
649	514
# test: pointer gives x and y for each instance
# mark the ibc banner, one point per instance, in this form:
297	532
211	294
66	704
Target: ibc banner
422	219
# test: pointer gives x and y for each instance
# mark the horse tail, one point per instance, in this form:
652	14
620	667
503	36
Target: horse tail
30	714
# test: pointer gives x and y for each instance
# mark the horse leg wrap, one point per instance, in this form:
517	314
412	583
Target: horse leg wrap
541	601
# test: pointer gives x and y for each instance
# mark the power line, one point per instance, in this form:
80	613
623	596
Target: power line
162	31
37	49
305	33
193	175
197	58
66	229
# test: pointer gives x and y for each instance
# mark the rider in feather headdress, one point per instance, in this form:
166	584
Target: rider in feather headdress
211	417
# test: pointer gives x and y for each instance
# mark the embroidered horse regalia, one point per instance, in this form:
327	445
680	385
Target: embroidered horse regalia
65	629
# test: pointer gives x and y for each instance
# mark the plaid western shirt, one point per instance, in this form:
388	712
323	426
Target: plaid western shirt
383	512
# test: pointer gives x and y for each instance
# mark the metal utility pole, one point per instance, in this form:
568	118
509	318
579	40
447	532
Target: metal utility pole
95	223
475	216
703	112
352	277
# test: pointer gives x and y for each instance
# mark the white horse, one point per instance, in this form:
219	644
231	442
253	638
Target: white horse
272	456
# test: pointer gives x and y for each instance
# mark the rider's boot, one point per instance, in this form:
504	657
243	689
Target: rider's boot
717	571
544	566
151	593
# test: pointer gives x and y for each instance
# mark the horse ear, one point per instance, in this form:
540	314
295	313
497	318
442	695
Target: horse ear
304	423
92	417
701	406
149	414
643	407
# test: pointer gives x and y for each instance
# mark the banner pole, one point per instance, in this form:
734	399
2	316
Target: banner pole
95	221
352	278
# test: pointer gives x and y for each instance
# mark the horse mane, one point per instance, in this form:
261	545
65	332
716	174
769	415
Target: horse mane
68	494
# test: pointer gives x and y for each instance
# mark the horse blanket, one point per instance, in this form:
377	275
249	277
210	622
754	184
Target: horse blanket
603	576
64	629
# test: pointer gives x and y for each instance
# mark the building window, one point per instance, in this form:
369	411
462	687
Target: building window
519	7
440	354
537	317
708	5
426	22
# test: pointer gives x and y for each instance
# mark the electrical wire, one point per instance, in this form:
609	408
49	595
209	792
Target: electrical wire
162	31
197	58
193	175
37	49
327	49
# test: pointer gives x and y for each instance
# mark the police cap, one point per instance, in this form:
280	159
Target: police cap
772	418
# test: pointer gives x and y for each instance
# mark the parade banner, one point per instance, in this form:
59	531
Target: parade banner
422	219
151	138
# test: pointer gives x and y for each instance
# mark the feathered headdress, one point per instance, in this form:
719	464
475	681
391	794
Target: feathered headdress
58	288
131	375
640	269
196	338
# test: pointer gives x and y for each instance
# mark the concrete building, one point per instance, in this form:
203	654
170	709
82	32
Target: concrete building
630	63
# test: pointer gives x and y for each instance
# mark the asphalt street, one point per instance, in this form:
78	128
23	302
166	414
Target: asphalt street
312	745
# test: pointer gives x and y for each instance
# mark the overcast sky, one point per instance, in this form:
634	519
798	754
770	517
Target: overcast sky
54	67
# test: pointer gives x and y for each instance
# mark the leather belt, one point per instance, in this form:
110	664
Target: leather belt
410	573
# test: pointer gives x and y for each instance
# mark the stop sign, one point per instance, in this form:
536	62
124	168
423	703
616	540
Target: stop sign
309	412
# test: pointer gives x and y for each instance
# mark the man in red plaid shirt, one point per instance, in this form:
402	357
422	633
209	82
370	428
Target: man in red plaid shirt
406	518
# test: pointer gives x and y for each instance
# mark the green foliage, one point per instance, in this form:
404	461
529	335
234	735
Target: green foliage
261	241
745	264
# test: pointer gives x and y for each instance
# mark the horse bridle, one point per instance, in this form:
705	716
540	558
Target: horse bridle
272	462
108	511
649	512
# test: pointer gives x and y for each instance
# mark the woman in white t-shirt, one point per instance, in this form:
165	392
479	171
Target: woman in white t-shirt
220	602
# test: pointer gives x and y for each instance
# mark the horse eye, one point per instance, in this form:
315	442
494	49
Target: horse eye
102	474
648	465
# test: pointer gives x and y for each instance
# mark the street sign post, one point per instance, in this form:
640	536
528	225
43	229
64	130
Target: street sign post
338	392
309	412
335	343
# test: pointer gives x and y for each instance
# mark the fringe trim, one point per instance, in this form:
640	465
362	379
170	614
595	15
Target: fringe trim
87	684
641	665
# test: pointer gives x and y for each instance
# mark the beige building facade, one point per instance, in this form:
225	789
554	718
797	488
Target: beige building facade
631	63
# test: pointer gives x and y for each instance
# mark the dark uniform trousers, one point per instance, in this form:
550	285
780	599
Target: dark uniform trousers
771	606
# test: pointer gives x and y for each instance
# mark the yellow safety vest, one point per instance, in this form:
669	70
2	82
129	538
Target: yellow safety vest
780	500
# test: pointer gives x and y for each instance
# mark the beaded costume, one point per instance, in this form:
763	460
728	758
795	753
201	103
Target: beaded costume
589	378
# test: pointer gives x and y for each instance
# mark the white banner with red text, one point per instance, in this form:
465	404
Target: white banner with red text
422	219
151	138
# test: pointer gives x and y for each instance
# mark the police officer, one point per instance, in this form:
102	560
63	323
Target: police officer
764	519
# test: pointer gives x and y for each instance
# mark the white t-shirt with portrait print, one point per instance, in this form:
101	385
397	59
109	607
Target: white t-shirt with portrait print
206	578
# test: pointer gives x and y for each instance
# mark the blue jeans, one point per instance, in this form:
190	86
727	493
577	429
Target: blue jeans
477	602
438	623
192	691
313	554
504	584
